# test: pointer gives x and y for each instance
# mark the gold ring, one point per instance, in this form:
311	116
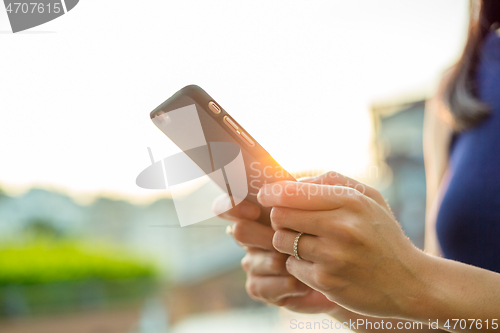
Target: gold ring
296	245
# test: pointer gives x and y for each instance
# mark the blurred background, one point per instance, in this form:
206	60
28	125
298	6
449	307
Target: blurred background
323	85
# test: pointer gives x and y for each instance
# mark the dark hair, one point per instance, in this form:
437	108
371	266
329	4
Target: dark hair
460	90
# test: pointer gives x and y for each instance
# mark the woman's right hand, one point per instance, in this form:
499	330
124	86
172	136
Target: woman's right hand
267	277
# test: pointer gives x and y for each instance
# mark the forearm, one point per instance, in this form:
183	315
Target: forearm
361	323
455	291
453	296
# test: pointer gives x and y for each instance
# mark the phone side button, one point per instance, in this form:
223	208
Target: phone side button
247	139
214	107
231	124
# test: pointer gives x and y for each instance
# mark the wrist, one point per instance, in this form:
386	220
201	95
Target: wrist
424	294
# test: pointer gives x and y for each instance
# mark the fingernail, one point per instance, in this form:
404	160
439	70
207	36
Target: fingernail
229	230
264	190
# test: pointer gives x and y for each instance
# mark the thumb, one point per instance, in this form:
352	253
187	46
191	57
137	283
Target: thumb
336	179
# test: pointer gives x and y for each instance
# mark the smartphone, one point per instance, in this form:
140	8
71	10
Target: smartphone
217	126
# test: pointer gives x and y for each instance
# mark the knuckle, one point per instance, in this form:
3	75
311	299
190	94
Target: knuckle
352	233
322	252
323	222
332	174
314	249
361	188
277	215
291	283
372	192
355	199
240	232
322	280
343	266
366	189
251	288
377	196
357	237
245	263
337	265
277	264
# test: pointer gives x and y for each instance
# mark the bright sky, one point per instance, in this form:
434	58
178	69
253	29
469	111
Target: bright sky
298	75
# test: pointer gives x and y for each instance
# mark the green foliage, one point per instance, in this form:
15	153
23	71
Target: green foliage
41	228
49	261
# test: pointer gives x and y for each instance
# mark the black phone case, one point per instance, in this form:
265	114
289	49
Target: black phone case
266	170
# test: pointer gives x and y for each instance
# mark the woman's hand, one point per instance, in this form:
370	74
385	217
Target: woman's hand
353	250
267	277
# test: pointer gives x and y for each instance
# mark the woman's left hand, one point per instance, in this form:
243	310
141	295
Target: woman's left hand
352	250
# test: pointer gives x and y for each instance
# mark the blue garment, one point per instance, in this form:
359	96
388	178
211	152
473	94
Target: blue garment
468	222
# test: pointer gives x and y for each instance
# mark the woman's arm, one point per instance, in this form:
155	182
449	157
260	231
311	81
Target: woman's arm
463	298
457	293
366	324
354	252
269	281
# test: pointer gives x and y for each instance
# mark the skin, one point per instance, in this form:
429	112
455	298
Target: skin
356	261
269	278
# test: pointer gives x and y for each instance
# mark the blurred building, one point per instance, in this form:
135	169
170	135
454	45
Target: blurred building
188	254
201	263
398	142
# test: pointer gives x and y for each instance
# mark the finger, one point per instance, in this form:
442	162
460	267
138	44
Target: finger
313	275
271	289
319	250
306	179
253	234
314	302
246	210
337	179
307	245
307	221
306	196
259	262
301	269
